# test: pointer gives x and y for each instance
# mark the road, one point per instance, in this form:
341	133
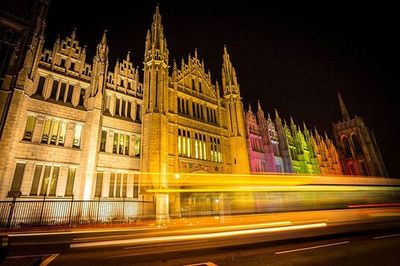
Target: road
283	242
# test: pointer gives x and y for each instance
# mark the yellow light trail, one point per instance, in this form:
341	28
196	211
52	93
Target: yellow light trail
196	236
273	189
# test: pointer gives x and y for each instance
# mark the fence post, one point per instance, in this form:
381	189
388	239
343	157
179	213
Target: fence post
70	211
98	210
41	211
10	214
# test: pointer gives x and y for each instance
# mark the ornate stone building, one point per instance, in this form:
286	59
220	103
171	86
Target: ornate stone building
77	127
263	143
359	152
81	128
276	147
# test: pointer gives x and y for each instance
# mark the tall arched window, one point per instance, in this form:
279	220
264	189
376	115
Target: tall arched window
346	144
356	143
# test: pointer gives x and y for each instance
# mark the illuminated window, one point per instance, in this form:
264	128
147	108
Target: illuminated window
62	133
36	179
137	146
54	132
184	143
46	179
118	185
18	175
115	143
121	144
70	181
179	142
99	184
30	125
136	186
127	144
196	146
77	135
108	100
103	140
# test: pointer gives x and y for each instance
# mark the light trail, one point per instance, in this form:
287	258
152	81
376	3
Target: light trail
272	189
196	236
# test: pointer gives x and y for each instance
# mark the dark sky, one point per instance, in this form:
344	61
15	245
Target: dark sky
292	57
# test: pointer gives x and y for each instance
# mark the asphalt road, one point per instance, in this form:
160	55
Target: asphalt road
367	248
281	242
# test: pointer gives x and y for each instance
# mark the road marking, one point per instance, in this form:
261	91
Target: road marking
379	237
49	259
314	247
196	236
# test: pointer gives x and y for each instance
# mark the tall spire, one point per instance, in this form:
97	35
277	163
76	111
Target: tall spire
229	80
156	44
343	108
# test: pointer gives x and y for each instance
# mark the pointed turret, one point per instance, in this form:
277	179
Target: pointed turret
343	108
100	65
237	133
156	44
174	69
229	80
155	102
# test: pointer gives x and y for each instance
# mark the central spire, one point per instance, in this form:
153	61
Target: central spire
229	79
156	44
343	108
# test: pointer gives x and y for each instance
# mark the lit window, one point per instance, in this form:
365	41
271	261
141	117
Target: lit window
77	136
103	140
70	181
30	125
18	175
137	146
45	179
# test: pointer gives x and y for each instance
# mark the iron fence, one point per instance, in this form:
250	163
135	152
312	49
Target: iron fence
21	213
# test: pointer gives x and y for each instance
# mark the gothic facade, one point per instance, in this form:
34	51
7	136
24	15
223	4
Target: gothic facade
358	149
78	127
82	128
275	147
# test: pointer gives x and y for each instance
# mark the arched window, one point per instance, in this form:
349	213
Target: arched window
346	144
356	143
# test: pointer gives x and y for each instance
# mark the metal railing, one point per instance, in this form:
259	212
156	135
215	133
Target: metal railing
22	213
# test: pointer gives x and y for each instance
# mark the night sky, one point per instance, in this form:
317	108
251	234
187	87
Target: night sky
292	57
